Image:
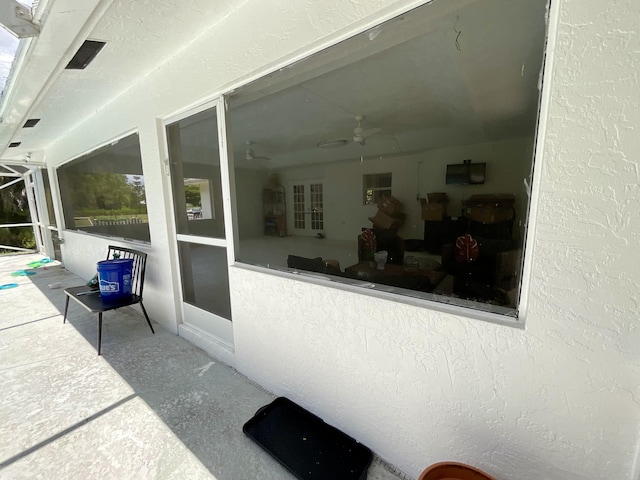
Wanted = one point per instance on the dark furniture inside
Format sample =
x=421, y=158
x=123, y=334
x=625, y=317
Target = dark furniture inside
x=489, y=219
x=497, y=231
x=396, y=276
x=387, y=240
x=488, y=278
x=316, y=264
x=91, y=299
x=440, y=232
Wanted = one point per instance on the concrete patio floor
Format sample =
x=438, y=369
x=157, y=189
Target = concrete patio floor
x=152, y=406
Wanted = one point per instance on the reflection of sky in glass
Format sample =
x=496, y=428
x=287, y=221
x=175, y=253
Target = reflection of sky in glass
x=8, y=47
x=135, y=178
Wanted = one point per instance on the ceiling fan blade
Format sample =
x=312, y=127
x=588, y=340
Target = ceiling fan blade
x=257, y=157
x=371, y=131
x=334, y=142
x=250, y=154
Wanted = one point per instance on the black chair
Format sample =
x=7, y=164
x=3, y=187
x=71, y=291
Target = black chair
x=91, y=299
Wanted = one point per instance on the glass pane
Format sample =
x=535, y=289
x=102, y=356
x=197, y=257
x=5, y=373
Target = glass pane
x=377, y=180
x=103, y=192
x=48, y=198
x=35, y=215
x=298, y=206
x=55, y=238
x=14, y=204
x=376, y=186
x=374, y=106
x=378, y=194
x=195, y=175
x=8, y=47
x=317, y=218
x=205, y=278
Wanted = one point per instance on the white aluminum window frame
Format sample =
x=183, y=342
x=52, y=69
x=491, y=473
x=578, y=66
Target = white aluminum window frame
x=444, y=304
x=57, y=198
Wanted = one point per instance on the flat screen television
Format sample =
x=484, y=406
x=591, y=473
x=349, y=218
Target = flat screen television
x=466, y=173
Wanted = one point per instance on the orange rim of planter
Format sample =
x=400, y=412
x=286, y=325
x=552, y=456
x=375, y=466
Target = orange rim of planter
x=453, y=471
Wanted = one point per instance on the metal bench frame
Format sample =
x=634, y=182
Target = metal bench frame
x=90, y=298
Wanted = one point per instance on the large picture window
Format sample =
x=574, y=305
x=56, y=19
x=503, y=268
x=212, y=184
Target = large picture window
x=449, y=83
x=103, y=192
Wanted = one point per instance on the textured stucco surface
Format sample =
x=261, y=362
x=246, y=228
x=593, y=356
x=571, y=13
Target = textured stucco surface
x=558, y=400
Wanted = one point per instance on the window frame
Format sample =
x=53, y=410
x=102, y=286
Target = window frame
x=62, y=224
x=368, y=179
x=532, y=182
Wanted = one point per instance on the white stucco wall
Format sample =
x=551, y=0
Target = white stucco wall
x=558, y=400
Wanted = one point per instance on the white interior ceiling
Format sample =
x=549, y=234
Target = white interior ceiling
x=475, y=77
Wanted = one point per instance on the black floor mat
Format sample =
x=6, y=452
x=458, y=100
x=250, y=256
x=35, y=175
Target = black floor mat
x=306, y=445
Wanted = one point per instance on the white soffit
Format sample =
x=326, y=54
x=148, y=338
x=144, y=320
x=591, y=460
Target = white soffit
x=63, y=28
x=9, y=43
x=140, y=36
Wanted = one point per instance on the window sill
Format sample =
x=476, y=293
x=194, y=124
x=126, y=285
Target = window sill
x=134, y=241
x=454, y=306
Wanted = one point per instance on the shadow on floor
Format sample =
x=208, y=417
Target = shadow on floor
x=144, y=407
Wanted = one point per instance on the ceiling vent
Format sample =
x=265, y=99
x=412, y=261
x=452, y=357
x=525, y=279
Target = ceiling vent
x=14, y=144
x=32, y=122
x=85, y=55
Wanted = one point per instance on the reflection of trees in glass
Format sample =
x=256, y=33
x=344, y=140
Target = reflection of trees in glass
x=14, y=208
x=137, y=187
x=192, y=195
x=107, y=194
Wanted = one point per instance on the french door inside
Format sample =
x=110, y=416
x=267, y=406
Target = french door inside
x=307, y=200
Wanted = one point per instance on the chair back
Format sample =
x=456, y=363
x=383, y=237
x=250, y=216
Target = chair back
x=139, y=265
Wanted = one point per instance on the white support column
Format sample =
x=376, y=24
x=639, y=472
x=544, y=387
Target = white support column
x=44, y=220
x=34, y=211
x=206, y=200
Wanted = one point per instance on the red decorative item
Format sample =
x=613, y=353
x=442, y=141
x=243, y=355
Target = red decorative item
x=369, y=244
x=369, y=239
x=467, y=249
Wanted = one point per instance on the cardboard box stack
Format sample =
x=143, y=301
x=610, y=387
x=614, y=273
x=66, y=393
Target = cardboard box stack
x=389, y=214
x=434, y=207
x=493, y=208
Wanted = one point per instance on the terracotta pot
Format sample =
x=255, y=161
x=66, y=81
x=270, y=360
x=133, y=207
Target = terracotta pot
x=453, y=471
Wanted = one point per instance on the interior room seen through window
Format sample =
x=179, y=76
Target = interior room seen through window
x=448, y=91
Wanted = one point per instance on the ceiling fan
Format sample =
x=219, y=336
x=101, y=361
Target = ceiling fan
x=250, y=154
x=360, y=136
